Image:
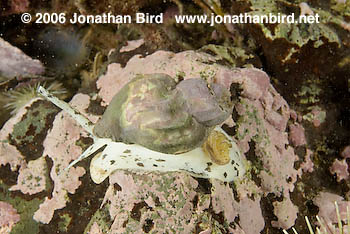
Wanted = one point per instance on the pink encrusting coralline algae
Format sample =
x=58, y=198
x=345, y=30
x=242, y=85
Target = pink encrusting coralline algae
x=15, y=63
x=33, y=176
x=307, y=165
x=297, y=134
x=263, y=116
x=327, y=211
x=286, y=212
x=139, y=202
x=9, y=153
x=8, y=217
x=60, y=145
x=345, y=153
x=341, y=167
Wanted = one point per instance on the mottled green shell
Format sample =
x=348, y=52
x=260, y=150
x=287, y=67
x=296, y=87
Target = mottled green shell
x=152, y=112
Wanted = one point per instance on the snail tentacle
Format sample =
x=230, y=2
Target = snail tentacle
x=75, y=114
x=82, y=120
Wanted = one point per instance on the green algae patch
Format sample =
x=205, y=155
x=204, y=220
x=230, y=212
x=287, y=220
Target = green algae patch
x=341, y=8
x=25, y=208
x=309, y=94
x=299, y=34
x=64, y=223
x=233, y=56
x=28, y=135
x=102, y=219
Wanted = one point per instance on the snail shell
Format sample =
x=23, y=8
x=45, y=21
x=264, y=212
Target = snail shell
x=155, y=112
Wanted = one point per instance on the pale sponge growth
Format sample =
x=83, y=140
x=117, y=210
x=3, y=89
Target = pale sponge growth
x=118, y=155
